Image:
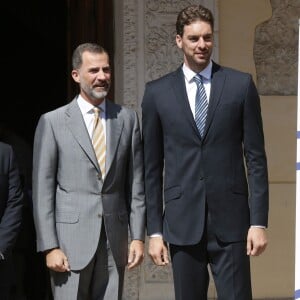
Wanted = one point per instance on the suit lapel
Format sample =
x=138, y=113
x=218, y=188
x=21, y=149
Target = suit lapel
x=114, y=126
x=75, y=123
x=217, y=84
x=179, y=87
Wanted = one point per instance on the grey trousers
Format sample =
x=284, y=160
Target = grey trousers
x=101, y=279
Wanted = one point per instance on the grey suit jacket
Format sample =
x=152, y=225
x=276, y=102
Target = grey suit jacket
x=69, y=197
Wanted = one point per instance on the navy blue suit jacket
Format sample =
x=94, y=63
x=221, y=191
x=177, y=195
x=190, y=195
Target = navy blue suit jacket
x=11, y=203
x=224, y=172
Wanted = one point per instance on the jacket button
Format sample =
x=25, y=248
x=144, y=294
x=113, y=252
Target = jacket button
x=99, y=215
x=99, y=176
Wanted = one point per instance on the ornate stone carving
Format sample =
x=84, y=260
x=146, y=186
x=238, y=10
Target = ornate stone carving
x=276, y=49
x=161, y=52
x=131, y=284
x=130, y=53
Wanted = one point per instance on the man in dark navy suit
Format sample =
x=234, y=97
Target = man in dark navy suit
x=206, y=177
x=11, y=203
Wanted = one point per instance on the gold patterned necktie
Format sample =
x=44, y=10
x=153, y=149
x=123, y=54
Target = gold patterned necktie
x=98, y=140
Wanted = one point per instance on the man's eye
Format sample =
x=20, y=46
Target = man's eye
x=106, y=70
x=208, y=38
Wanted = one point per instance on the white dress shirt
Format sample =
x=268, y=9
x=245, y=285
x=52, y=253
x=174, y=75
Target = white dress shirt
x=191, y=86
x=87, y=111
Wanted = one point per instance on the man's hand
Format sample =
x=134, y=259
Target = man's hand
x=256, y=241
x=57, y=261
x=158, y=251
x=136, y=253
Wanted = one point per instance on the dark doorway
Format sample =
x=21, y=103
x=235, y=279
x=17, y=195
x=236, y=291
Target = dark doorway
x=38, y=39
x=35, y=54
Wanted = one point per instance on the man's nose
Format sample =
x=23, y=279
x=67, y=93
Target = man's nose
x=201, y=43
x=101, y=75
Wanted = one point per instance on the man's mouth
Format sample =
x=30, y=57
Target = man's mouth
x=104, y=86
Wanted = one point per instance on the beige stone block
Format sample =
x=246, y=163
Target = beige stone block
x=273, y=272
x=237, y=22
x=280, y=127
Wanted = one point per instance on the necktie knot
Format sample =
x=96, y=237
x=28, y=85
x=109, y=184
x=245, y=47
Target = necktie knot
x=198, y=79
x=96, y=111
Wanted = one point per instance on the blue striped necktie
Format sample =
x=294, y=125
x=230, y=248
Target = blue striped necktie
x=201, y=105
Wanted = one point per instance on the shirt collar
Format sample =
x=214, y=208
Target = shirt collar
x=189, y=74
x=87, y=107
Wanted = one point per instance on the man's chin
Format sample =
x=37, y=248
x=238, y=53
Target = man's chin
x=100, y=95
x=202, y=62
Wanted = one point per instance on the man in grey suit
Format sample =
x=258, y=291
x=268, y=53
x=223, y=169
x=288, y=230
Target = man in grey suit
x=215, y=184
x=81, y=214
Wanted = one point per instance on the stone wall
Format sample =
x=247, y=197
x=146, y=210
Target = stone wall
x=146, y=49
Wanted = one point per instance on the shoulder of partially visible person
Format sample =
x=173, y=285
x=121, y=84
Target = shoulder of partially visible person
x=7, y=157
x=5, y=149
x=9, y=162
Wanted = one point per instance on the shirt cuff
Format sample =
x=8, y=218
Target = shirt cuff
x=158, y=234
x=259, y=226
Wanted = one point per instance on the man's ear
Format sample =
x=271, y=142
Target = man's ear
x=75, y=76
x=179, y=41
